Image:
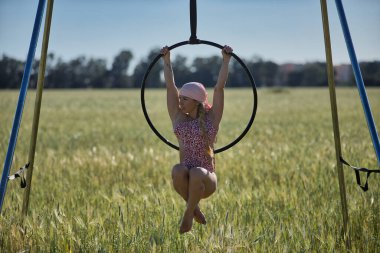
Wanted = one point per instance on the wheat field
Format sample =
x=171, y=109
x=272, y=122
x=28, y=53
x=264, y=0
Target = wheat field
x=101, y=181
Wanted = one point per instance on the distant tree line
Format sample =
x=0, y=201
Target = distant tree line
x=83, y=72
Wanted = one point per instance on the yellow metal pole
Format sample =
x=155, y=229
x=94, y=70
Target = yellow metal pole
x=37, y=106
x=334, y=114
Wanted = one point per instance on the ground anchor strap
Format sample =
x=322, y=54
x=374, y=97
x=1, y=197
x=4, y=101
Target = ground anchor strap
x=20, y=174
x=360, y=169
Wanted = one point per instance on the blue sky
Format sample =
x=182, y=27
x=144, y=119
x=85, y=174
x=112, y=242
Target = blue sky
x=278, y=30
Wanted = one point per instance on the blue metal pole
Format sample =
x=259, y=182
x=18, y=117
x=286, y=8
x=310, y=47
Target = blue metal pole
x=21, y=101
x=359, y=79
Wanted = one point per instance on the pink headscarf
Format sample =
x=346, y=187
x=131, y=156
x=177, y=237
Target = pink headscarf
x=195, y=91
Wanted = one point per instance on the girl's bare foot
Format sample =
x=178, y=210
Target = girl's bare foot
x=187, y=222
x=199, y=217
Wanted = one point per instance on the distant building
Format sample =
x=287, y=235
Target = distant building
x=283, y=72
x=343, y=73
x=290, y=67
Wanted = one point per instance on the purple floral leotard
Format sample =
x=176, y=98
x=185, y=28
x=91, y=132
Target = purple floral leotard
x=193, y=145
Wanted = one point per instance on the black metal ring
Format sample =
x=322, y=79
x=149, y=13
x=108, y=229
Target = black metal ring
x=254, y=109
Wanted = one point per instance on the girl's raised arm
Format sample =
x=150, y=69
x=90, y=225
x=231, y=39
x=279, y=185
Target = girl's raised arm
x=171, y=88
x=218, y=100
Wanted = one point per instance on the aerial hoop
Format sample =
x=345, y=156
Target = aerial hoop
x=205, y=42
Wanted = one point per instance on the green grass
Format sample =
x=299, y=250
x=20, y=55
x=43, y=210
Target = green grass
x=102, y=182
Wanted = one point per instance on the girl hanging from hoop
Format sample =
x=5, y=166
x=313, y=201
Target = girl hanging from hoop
x=195, y=123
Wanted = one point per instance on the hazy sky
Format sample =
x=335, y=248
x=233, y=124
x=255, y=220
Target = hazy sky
x=278, y=30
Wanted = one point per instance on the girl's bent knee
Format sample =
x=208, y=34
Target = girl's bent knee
x=197, y=173
x=180, y=170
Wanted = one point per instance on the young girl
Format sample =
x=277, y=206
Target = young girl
x=195, y=123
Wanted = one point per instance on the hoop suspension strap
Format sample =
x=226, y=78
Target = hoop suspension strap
x=193, y=22
x=361, y=169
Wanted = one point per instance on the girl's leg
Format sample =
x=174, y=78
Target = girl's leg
x=202, y=184
x=180, y=176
